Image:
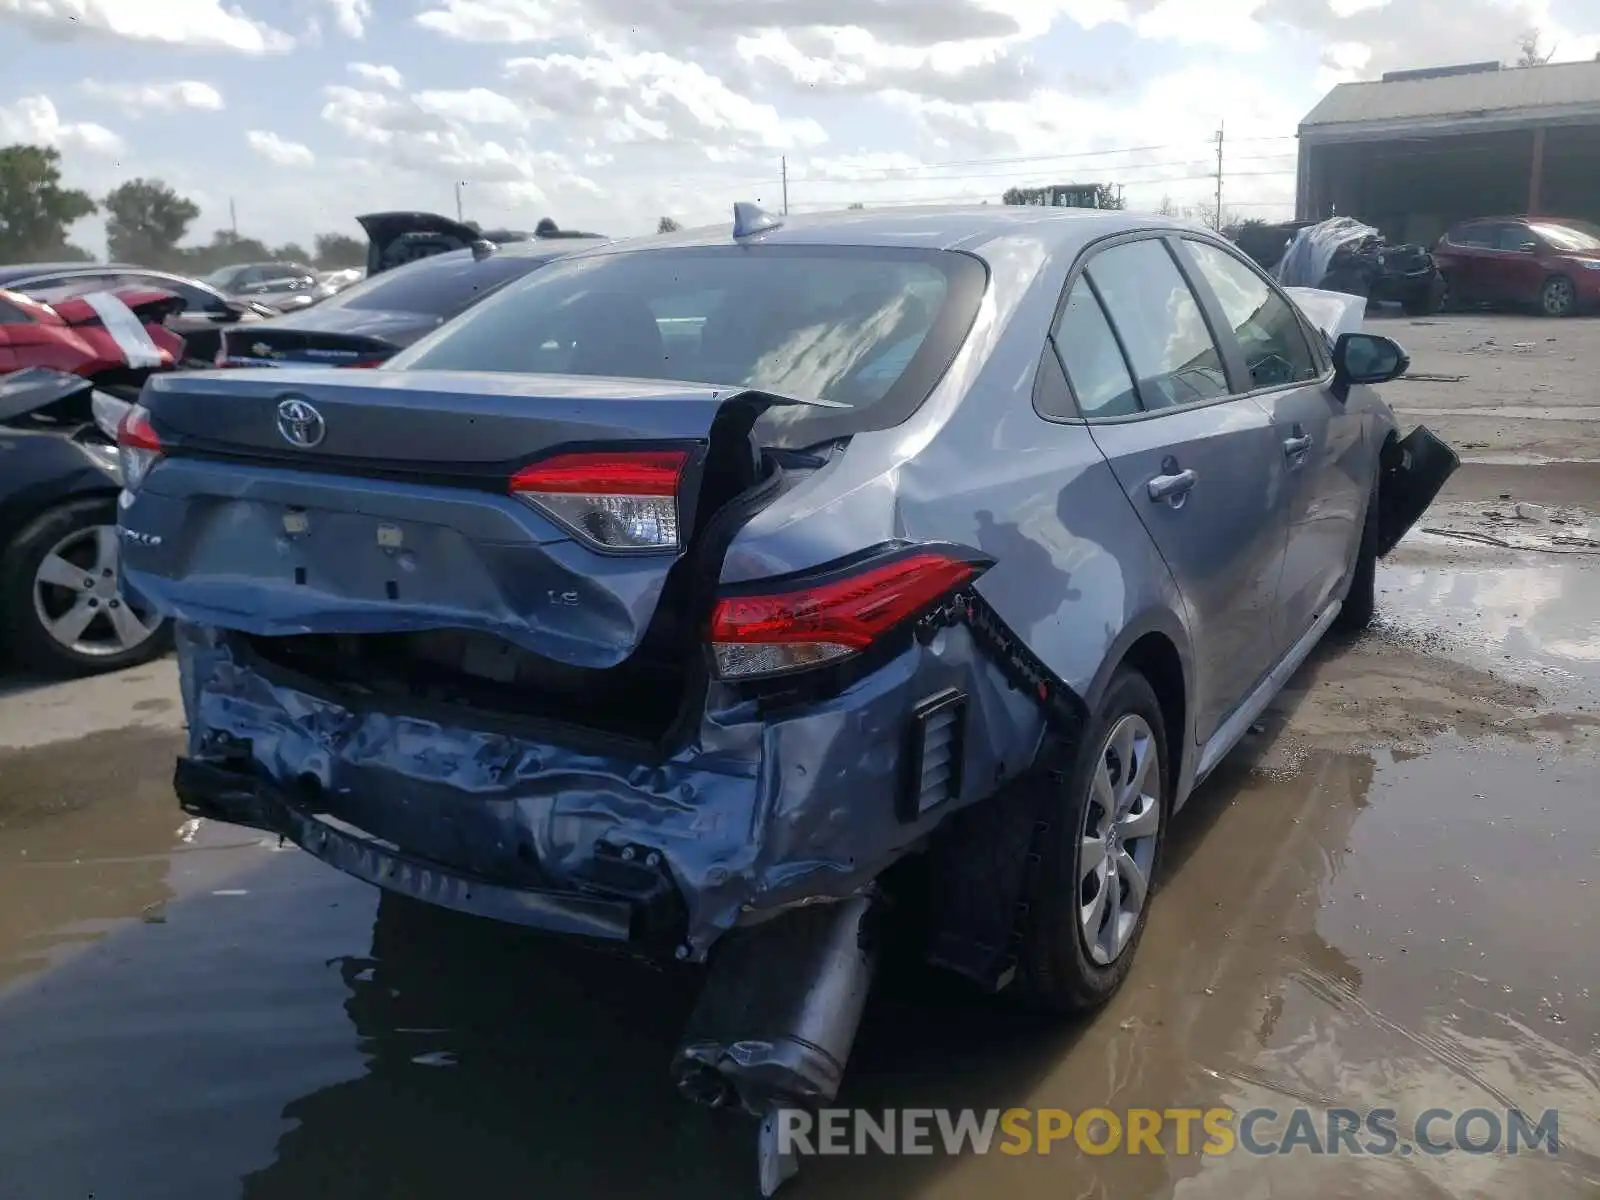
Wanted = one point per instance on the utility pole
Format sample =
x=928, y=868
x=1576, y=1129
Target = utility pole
x=458, y=199
x=783, y=165
x=233, y=217
x=1220, y=127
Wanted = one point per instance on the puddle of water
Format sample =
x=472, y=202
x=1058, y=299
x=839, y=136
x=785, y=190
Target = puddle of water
x=1526, y=616
x=90, y=838
x=1516, y=459
x=1360, y=929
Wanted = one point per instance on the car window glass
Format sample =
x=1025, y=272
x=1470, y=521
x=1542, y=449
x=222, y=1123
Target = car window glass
x=62, y=287
x=442, y=285
x=841, y=326
x=1160, y=323
x=1511, y=237
x=1476, y=236
x=1091, y=358
x=1571, y=235
x=12, y=315
x=1269, y=332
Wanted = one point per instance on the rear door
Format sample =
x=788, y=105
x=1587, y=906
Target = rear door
x=1328, y=469
x=1461, y=258
x=1518, y=273
x=1201, y=466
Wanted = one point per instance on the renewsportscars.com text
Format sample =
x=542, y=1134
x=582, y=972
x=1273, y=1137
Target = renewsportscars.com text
x=1214, y=1131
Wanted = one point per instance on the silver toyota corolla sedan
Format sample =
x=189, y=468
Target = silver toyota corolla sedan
x=753, y=595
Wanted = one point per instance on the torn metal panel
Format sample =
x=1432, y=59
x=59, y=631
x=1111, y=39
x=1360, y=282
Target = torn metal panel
x=759, y=811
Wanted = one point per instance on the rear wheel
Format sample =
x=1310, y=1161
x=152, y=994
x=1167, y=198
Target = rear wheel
x=1558, y=298
x=1425, y=301
x=1090, y=896
x=59, y=596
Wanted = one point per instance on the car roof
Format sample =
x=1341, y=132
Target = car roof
x=81, y=269
x=943, y=227
x=29, y=270
x=538, y=250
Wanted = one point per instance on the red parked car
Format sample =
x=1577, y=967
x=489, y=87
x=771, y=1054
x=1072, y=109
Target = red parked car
x=72, y=336
x=1550, y=262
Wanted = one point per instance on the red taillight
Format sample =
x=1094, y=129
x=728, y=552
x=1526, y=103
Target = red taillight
x=370, y=362
x=136, y=432
x=138, y=447
x=807, y=626
x=615, y=500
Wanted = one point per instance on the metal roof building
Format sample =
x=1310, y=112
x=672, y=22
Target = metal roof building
x=1416, y=151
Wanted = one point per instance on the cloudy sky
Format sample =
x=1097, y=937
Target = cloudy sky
x=606, y=114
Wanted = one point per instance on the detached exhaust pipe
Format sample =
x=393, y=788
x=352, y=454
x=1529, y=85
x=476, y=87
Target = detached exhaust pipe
x=774, y=1026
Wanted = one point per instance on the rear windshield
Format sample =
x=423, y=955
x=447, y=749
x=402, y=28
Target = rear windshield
x=870, y=329
x=441, y=286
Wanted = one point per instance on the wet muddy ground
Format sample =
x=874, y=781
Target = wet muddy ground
x=1389, y=896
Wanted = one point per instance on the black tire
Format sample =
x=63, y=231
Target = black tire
x=1558, y=297
x=1055, y=971
x=1425, y=301
x=1450, y=299
x=1361, y=601
x=23, y=631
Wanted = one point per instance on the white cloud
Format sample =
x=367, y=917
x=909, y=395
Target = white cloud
x=475, y=106
x=1231, y=24
x=854, y=60
x=388, y=76
x=278, y=151
x=910, y=22
x=654, y=97
x=351, y=16
x=137, y=98
x=201, y=24
x=35, y=119
x=438, y=144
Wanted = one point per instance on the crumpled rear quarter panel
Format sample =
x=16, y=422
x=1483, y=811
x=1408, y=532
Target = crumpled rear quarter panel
x=756, y=813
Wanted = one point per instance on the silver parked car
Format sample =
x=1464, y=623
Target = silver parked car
x=706, y=592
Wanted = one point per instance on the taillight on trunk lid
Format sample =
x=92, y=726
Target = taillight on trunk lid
x=613, y=500
x=834, y=615
x=138, y=446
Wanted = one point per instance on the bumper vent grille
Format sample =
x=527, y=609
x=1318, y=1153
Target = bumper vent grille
x=935, y=754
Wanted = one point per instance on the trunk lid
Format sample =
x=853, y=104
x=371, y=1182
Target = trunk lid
x=316, y=502
x=324, y=337
x=35, y=389
x=396, y=238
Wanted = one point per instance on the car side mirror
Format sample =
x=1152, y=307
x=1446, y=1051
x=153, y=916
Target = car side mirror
x=1367, y=358
x=482, y=249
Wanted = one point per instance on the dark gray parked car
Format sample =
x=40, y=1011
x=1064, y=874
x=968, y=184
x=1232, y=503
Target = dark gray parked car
x=710, y=594
x=365, y=323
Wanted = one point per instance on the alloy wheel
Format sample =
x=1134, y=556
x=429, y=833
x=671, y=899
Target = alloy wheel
x=75, y=596
x=1558, y=297
x=1117, y=843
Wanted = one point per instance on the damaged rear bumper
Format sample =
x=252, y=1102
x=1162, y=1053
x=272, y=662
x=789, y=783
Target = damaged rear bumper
x=638, y=904
x=762, y=811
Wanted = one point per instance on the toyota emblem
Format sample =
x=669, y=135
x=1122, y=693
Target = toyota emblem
x=300, y=424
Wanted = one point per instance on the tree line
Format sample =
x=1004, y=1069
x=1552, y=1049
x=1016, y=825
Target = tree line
x=146, y=222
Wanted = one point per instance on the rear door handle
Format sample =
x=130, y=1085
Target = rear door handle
x=1297, y=445
x=1172, y=488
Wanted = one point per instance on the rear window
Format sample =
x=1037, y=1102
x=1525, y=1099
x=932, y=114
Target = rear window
x=868, y=329
x=441, y=286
